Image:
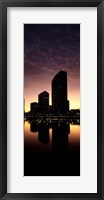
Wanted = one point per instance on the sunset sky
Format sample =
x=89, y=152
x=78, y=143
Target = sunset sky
x=49, y=48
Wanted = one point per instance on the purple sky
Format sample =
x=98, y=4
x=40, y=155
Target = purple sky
x=48, y=48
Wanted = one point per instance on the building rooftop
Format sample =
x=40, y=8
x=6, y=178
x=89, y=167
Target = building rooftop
x=59, y=73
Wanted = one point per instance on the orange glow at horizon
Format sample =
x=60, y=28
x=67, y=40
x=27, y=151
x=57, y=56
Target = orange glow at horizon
x=74, y=99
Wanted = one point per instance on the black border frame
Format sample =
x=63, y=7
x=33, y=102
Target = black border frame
x=4, y=4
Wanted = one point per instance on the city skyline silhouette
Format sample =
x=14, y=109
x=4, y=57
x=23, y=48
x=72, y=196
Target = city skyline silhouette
x=59, y=85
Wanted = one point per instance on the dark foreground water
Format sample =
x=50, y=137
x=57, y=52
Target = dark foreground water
x=51, y=149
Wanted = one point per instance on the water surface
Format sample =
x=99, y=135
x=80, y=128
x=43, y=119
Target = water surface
x=51, y=149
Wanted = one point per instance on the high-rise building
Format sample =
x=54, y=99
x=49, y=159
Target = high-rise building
x=59, y=93
x=43, y=99
x=68, y=105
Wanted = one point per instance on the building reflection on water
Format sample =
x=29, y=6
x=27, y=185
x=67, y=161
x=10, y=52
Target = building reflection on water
x=43, y=134
x=60, y=138
x=60, y=131
x=49, y=142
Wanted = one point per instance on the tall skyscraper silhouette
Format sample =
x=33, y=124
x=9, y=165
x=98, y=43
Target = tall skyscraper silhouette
x=59, y=93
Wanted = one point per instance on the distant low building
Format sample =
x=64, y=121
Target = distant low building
x=34, y=108
x=50, y=109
